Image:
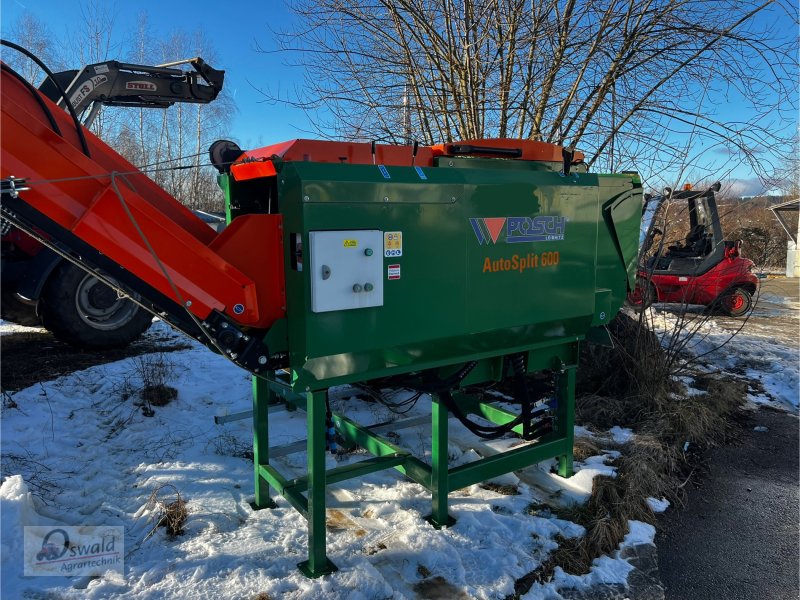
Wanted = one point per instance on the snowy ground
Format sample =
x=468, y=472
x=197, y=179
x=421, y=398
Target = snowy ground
x=77, y=451
x=8, y=328
x=762, y=350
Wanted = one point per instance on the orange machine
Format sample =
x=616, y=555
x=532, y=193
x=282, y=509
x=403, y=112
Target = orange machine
x=104, y=212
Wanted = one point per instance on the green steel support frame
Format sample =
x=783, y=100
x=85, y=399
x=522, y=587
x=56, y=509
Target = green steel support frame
x=261, y=442
x=439, y=470
x=307, y=493
x=566, y=421
x=537, y=273
x=317, y=563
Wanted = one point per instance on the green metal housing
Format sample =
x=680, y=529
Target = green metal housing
x=477, y=282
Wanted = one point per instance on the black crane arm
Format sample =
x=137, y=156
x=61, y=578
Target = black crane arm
x=114, y=83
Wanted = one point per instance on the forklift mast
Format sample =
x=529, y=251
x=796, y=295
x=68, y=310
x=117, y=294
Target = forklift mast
x=114, y=83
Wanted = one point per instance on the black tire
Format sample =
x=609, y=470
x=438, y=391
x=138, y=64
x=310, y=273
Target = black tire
x=734, y=302
x=82, y=311
x=15, y=310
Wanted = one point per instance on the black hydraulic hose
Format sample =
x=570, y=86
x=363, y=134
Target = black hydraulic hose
x=435, y=386
x=484, y=431
x=330, y=429
x=472, y=149
x=49, y=73
x=37, y=96
x=442, y=387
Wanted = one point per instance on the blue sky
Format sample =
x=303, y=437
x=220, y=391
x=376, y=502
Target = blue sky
x=235, y=32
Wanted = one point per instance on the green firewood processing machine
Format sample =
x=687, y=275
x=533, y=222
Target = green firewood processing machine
x=430, y=269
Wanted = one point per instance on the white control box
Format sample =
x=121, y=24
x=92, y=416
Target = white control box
x=346, y=269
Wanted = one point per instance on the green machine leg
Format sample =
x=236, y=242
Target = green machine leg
x=439, y=468
x=317, y=563
x=261, y=395
x=566, y=420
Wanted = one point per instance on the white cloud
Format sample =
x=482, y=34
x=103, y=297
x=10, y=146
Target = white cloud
x=744, y=187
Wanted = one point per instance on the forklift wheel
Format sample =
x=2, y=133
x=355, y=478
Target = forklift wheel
x=735, y=302
x=642, y=297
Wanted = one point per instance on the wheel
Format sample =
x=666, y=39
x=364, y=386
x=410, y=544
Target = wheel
x=81, y=310
x=642, y=297
x=734, y=302
x=16, y=311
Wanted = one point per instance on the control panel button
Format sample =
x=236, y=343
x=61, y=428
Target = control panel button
x=341, y=263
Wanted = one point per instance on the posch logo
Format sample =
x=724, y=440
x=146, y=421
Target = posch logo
x=518, y=230
x=73, y=550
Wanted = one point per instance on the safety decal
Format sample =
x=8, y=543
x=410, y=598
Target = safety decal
x=86, y=88
x=351, y=243
x=393, y=272
x=392, y=244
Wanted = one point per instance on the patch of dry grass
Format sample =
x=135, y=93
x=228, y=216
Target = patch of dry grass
x=159, y=394
x=31, y=357
x=635, y=369
x=630, y=386
x=584, y=447
x=170, y=510
x=504, y=489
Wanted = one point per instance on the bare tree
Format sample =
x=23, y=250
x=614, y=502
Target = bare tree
x=34, y=35
x=187, y=130
x=623, y=79
x=751, y=221
x=93, y=42
x=170, y=144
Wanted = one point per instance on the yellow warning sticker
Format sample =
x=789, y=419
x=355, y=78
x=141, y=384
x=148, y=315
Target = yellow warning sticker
x=351, y=243
x=392, y=243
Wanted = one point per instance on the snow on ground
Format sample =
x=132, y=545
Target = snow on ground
x=7, y=328
x=606, y=568
x=658, y=506
x=762, y=349
x=77, y=451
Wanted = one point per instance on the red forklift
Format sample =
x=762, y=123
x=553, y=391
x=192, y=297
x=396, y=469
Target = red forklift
x=685, y=259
